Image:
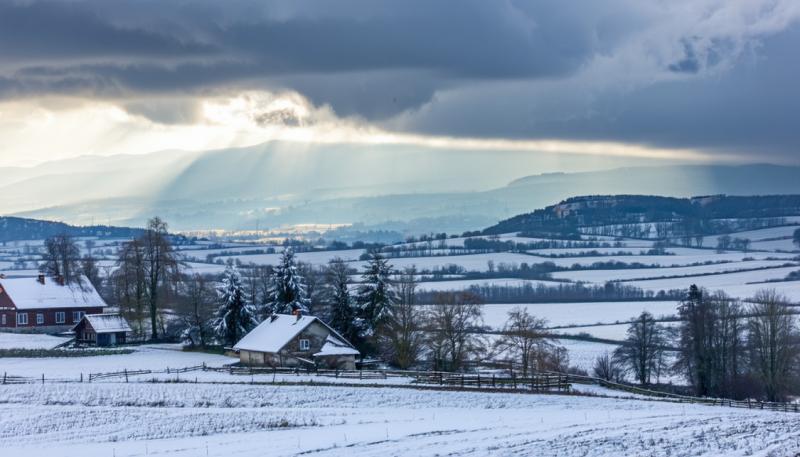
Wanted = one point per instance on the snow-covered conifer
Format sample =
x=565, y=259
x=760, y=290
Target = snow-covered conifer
x=287, y=292
x=235, y=316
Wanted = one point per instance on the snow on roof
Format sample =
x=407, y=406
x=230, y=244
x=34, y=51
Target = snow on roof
x=335, y=346
x=273, y=334
x=29, y=293
x=107, y=323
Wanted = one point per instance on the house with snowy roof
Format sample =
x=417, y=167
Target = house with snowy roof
x=102, y=329
x=47, y=305
x=284, y=340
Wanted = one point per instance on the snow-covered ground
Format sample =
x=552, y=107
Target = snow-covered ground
x=717, y=282
x=183, y=420
x=601, y=276
x=28, y=341
x=584, y=313
x=151, y=357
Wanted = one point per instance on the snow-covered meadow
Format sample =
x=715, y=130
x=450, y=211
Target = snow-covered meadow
x=252, y=420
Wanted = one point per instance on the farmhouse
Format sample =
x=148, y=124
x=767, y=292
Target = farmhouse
x=285, y=340
x=42, y=304
x=101, y=329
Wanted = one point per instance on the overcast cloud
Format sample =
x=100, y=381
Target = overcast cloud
x=716, y=75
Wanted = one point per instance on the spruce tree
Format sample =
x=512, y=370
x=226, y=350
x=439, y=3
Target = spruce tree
x=235, y=316
x=287, y=292
x=376, y=294
x=342, y=315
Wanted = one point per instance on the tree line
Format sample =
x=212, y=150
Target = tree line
x=722, y=347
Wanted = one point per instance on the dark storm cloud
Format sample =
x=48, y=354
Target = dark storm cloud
x=61, y=46
x=703, y=73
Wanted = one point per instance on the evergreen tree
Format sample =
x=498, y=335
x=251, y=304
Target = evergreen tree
x=235, y=316
x=287, y=292
x=342, y=313
x=376, y=294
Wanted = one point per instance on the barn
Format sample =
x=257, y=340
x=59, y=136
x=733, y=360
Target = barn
x=101, y=329
x=46, y=305
x=285, y=340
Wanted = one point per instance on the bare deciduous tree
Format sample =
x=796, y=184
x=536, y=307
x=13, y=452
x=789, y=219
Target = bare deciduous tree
x=401, y=335
x=772, y=330
x=61, y=258
x=523, y=338
x=642, y=352
x=451, y=324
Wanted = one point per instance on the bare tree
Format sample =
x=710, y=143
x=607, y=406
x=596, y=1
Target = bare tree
x=605, y=367
x=772, y=329
x=62, y=258
x=129, y=284
x=452, y=321
x=642, y=351
x=161, y=267
x=196, y=309
x=523, y=338
x=401, y=335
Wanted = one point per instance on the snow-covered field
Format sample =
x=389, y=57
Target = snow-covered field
x=29, y=341
x=239, y=420
x=153, y=357
x=586, y=313
x=601, y=276
x=720, y=281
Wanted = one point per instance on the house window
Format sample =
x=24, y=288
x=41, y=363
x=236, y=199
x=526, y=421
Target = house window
x=4, y=320
x=39, y=319
x=305, y=345
x=76, y=316
x=22, y=318
x=61, y=317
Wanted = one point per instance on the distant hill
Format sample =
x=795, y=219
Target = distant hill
x=695, y=215
x=17, y=228
x=280, y=184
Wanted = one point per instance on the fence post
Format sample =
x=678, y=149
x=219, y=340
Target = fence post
x=81, y=377
x=125, y=370
x=42, y=378
x=4, y=377
x=479, y=381
x=492, y=381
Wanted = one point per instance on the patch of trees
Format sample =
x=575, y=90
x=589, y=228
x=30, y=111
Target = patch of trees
x=565, y=292
x=724, y=348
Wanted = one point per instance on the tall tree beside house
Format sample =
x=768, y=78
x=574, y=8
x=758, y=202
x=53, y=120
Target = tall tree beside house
x=196, y=310
x=376, y=294
x=341, y=310
x=89, y=268
x=61, y=258
x=401, y=335
x=288, y=291
x=129, y=284
x=161, y=268
x=773, y=342
x=235, y=316
x=642, y=352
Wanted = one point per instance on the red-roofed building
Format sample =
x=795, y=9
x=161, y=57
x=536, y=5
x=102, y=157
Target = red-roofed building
x=42, y=304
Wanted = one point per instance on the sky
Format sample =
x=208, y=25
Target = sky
x=684, y=80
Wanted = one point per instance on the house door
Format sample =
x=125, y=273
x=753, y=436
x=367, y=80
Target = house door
x=112, y=339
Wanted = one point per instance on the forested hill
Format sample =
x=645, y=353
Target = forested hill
x=17, y=228
x=693, y=214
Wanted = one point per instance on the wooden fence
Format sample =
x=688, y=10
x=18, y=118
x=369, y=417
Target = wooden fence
x=538, y=382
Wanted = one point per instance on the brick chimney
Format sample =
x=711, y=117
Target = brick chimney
x=40, y=279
